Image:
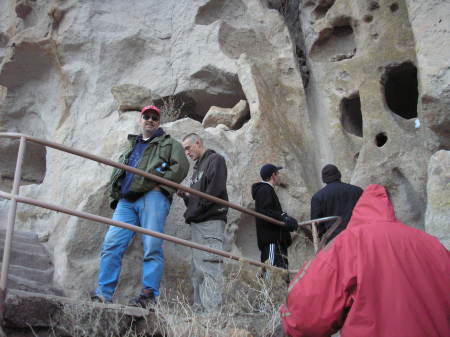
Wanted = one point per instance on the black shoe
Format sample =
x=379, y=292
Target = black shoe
x=100, y=299
x=144, y=300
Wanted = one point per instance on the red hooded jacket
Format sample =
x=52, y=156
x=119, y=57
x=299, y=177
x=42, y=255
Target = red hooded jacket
x=378, y=278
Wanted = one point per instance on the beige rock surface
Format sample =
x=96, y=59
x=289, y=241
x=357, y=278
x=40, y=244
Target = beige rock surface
x=438, y=197
x=60, y=61
x=431, y=28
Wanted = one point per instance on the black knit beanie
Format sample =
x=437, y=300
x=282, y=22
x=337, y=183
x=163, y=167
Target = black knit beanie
x=330, y=173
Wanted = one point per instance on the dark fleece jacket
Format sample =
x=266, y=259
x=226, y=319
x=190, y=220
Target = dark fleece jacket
x=267, y=203
x=209, y=176
x=336, y=198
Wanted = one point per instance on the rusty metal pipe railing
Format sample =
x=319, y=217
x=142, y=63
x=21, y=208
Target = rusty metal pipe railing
x=10, y=227
x=108, y=221
x=16, y=198
x=158, y=179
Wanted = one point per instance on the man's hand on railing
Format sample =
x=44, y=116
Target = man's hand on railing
x=290, y=222
x=182, y=194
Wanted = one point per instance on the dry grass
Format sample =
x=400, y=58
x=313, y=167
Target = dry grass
x=250, y=303
x=249, y=308
x=171, y=109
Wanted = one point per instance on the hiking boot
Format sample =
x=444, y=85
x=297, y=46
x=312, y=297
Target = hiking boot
x=144, y=300
x=100, y=299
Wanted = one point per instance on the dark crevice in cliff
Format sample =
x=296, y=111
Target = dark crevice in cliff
x=289, y=9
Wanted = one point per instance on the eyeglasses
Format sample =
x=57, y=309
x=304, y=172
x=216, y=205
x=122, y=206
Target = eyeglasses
x=154, y=118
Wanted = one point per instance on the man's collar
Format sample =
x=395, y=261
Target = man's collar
x=266, y=182
x=157, y=133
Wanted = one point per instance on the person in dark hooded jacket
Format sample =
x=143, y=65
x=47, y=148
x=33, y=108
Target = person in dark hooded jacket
x=273, y=240
x=207, y=220
x=335, y=199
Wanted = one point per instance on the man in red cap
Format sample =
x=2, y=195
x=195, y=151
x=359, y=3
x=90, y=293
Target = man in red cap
x=377, y=278
x=141, y=202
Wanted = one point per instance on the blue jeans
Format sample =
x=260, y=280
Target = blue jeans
x=150, y=212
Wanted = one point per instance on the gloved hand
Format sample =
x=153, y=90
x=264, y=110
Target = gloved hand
x=290, y=222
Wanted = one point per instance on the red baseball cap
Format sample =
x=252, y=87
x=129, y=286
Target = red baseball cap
x=152, y=108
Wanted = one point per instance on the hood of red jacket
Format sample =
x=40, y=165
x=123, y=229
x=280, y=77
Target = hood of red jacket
x=373, y=206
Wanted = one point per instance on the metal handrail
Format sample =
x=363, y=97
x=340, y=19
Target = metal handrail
x=14, y=197
x=156, y=178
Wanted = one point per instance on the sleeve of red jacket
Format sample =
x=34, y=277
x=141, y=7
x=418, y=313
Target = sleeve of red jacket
x=319, y=296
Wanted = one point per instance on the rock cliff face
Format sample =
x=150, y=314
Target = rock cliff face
x=363, y=84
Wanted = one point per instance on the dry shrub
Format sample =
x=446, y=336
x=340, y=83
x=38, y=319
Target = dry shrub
x=87, y=319
x=171, y=109
x=249, y=308
x=250, y=302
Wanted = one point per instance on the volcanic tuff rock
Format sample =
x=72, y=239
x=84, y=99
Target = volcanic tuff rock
x=75, y=72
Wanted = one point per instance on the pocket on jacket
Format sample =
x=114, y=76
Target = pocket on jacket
x=165, y=151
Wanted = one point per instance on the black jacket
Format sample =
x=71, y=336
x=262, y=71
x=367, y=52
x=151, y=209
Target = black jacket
x=209, y=176
x=267, y=203
x=336, y=198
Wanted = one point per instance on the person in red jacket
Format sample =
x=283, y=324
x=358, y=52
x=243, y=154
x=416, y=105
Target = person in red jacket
x=377, y=278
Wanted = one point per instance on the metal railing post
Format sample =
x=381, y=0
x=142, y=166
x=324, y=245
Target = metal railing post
x=315, y=236
x=10, y=227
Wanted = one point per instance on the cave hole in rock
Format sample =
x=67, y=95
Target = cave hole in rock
x=381, y=139
x=351, y=116
x=215, y=10
x=401, y=89
x=34, y=163
x=214, y=87
x=322, y=8
x=394, y=7
x=373, y=5
x=368, y=18
x=30, y=62
x=335, y=44
x=196, y=103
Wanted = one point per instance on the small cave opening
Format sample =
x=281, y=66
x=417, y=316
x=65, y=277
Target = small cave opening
x=215, y=10
x=368, y=18
x=322, y=8
x=401, y=89
x=394, y=7
x=381, y=139
x=351, y=116
x=211, y=86
x=33, y=168
x=335, y=44
x=373, y=5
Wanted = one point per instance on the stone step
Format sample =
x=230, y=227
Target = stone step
x=30, y=246
x=25, y=284
x=29, y=259
x=20, y=236
x=32, y=274
x=61, y=315
x=31, y=266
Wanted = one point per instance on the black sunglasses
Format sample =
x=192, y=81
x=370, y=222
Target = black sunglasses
x=154, y=118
